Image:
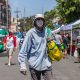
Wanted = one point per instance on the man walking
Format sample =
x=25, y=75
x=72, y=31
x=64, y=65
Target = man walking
x=10, y=46
x=35, y=50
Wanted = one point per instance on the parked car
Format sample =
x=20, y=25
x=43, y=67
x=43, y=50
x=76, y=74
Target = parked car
x=1, y=43
x=3, y=33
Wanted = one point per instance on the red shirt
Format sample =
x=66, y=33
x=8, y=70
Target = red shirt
x=10, y=36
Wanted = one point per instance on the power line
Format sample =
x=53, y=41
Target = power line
x=17, y=16
x=24, y=17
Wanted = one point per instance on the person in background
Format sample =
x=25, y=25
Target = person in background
x=35, y=50
x=65, y=43
x=58, y=40
x=78, y=47
x=10, y=45
x=21, y=41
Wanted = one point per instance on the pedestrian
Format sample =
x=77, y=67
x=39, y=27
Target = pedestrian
x=65, y=43
x=10, y=45
x=58, y=39
x=35, y=50
x=78, y=47
x=21, y=39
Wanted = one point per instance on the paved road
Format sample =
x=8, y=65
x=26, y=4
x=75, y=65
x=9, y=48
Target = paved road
x=66, y=69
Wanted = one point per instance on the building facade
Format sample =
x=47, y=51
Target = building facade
x=3, y=13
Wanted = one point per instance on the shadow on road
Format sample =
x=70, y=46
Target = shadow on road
x=3, y=54
x=11, y=63
x=76, y=62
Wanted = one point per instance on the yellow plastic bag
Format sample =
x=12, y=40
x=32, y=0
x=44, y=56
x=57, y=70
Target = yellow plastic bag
x=53, y=52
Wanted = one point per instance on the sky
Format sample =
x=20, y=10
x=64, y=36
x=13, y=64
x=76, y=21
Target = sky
x=31, y=7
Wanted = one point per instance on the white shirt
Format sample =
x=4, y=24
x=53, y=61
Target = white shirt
x=10, y=43
x=58, y=37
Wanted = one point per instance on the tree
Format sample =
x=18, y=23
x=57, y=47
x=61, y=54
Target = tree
x=49, y=16
x=69, y=10
x=25, y=26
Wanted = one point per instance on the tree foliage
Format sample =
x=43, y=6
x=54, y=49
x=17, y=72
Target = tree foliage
x=69, y=10
x=26, y=23
x=49, y=15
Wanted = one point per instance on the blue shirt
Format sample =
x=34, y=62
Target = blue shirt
x=34, y=48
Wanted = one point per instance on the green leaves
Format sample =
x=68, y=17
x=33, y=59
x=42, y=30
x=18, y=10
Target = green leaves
x=69, y=10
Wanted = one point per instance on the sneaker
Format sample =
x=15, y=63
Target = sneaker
x=9, y=64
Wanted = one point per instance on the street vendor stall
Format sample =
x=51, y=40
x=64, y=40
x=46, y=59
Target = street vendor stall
x=74, y=30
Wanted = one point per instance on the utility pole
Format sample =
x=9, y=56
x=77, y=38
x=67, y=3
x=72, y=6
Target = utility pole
x=17, y=16
x=24, y=18
x=7, y=14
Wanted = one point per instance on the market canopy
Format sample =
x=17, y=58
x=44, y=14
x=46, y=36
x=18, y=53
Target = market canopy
x=76, y=24
x=67, y=27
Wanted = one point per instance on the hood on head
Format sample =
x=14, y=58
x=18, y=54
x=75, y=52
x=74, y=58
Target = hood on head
x=39, y=16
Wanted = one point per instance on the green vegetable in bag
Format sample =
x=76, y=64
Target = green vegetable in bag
x=62, y=46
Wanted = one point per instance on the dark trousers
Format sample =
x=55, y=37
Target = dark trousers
x=36, y=75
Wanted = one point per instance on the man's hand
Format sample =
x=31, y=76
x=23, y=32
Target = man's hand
x=14, y=48
x=4, y=48
x=23, y=69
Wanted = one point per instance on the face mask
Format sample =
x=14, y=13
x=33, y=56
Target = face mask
x=39, y=23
